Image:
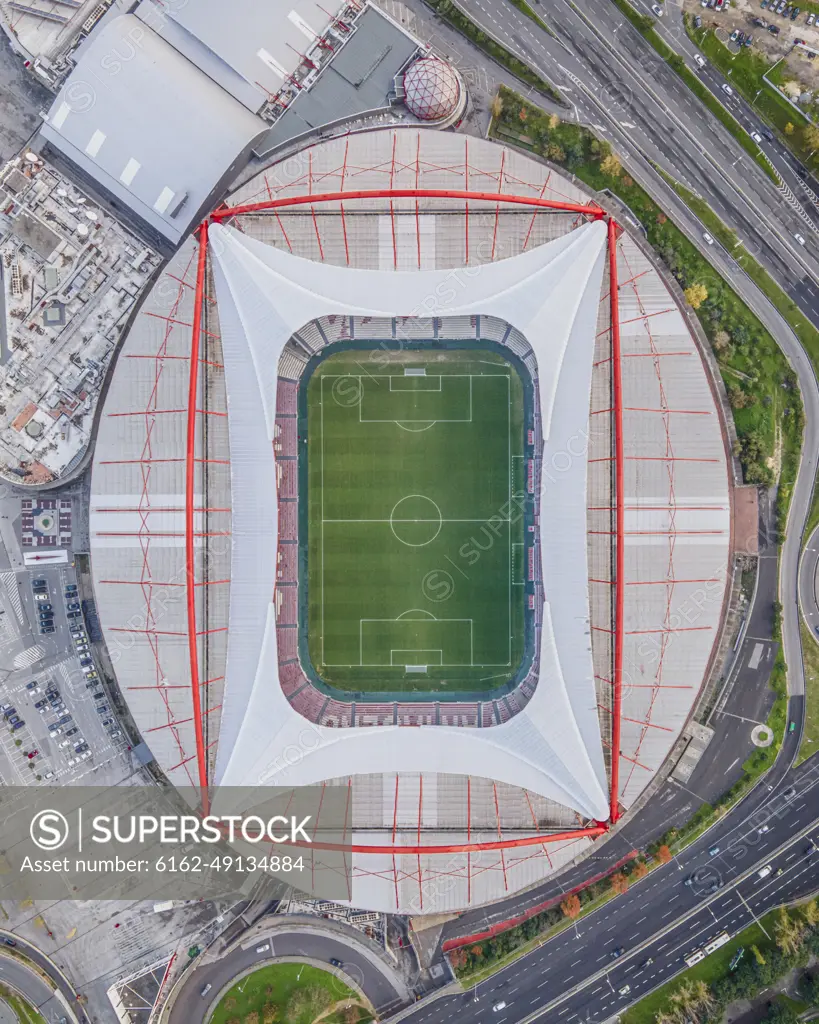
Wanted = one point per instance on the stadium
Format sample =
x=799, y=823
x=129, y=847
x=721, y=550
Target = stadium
x=412, y=479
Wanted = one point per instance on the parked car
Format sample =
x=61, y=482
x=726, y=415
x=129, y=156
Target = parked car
x=114, y=733
x=45, y=630
x=55, y=731
x=39, y=583
x=72, y=731
x=658, y=11
x=8, y=711
x=40, y=703
x=33, y=685
x=64, y=720
x=18, y=724
x=102, y=709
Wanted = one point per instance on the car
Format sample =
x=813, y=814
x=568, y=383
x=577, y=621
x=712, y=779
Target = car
x=699, y=60
x=45, y=630
x=8, y=710
x=48, y=775
x=649, y=960
x=763, y=829
x=499, y=1006
x=72, y=761
x=32, y=754
x=85, y=754
x=80, y=747
x=85, y=660
x=33, y=686
x=80, y=648
x=697, y=21
x=811, y=18
x=795, y=13
x=760, y=23
x=205, y=990
x=801, y=241
x=102, y=709
x=4, y=707
x=9, y=942
x=624, y=991
x=73, y=606
x=789, y=793
x=55, y=731
x=40, y=703
x=14, y=719
x=108, y=721
x=71, y=587
x=734, y=35
x=18, y=725
x=63, y=743
x=39, y=583
x=764, y=872
x=46, y=606
x=764, y=4
x=64, y=720
x=756, y=137
x=72, y=615
x=89, y=671
x=616, y=953
x=810, y=849
x=114, y=733
x=41, y=596
x=263, y=948
x=99, y=695
x=773, y=29
x=78, y=634
x=726, y=88
x=708, y=238
x=333, y=960
x=748, y=40
x=714, y=850
x=72, y=731
x=658, y=11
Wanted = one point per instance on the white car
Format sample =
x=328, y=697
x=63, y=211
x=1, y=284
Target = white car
x=72, y=761
x=41, y=597
x=49, y=775
x=657, y=10
x=85, y=754
x=799, y=239
x=54, y=732
x=756, y=137
x=498, y=1007
x=708, y=238
x=699, y=60
x=263, y=949
x=624, y=991
x=726, y=88
x=63, y=743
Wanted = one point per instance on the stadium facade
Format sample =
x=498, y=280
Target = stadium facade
x=390, y=239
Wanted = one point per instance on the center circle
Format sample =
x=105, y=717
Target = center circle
x=416, y=520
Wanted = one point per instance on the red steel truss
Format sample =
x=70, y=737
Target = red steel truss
x=590, y=210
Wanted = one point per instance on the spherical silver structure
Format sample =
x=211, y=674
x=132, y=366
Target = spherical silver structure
x=432, y=89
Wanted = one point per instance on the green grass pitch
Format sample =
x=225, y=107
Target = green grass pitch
x=416, y=555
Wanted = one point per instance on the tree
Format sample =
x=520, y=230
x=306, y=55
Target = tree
x=664, y=854
x=738, y=398
x=760, y=959
x=789, y=129
x=780, y=1013
x=619, y=883
x=810, y=912
x=790, y=932
x=496, y=107
x=571, y=906
x=810, y=136
x=556, y=153
x=640, y=870
x=458, y=959
x=270, y=1013
x=554, y=121
x=611, y=166
x=307, y=1002
x=696, y=295
x=722, y=340
x=351, y=1015
x=252, y=1017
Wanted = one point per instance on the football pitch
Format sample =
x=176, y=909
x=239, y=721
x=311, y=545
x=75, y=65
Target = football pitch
x=415, y=524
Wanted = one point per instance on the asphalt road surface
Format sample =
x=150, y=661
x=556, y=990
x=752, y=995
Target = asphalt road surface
x=661, y=918
x=38, y=992
x=191, y=1006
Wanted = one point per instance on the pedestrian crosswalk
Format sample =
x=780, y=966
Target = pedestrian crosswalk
x=9, y=581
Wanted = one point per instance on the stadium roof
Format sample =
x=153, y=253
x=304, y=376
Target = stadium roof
x=551, y=296
x=183, y=522
x=156, y=133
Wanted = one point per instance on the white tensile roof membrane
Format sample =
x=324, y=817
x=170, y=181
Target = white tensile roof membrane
x=551, y=294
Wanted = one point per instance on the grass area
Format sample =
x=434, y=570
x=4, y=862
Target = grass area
x=297, y=993
x=23, y=1010
x=536, y=18
x=645, y=25
x=810, y=659
x=746, y=69
x=416, y=505
x=457, y=19
x=708, y=970
x=764, y=965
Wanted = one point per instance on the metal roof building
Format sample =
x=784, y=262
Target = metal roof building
x=194, y=535
x=141, y=122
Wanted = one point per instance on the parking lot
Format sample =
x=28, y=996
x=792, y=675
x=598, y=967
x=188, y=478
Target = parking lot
x=57, y=725
x=745, y=16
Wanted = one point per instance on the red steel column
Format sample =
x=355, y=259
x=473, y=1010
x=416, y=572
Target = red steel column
x=190, y=465
x=619, y=581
